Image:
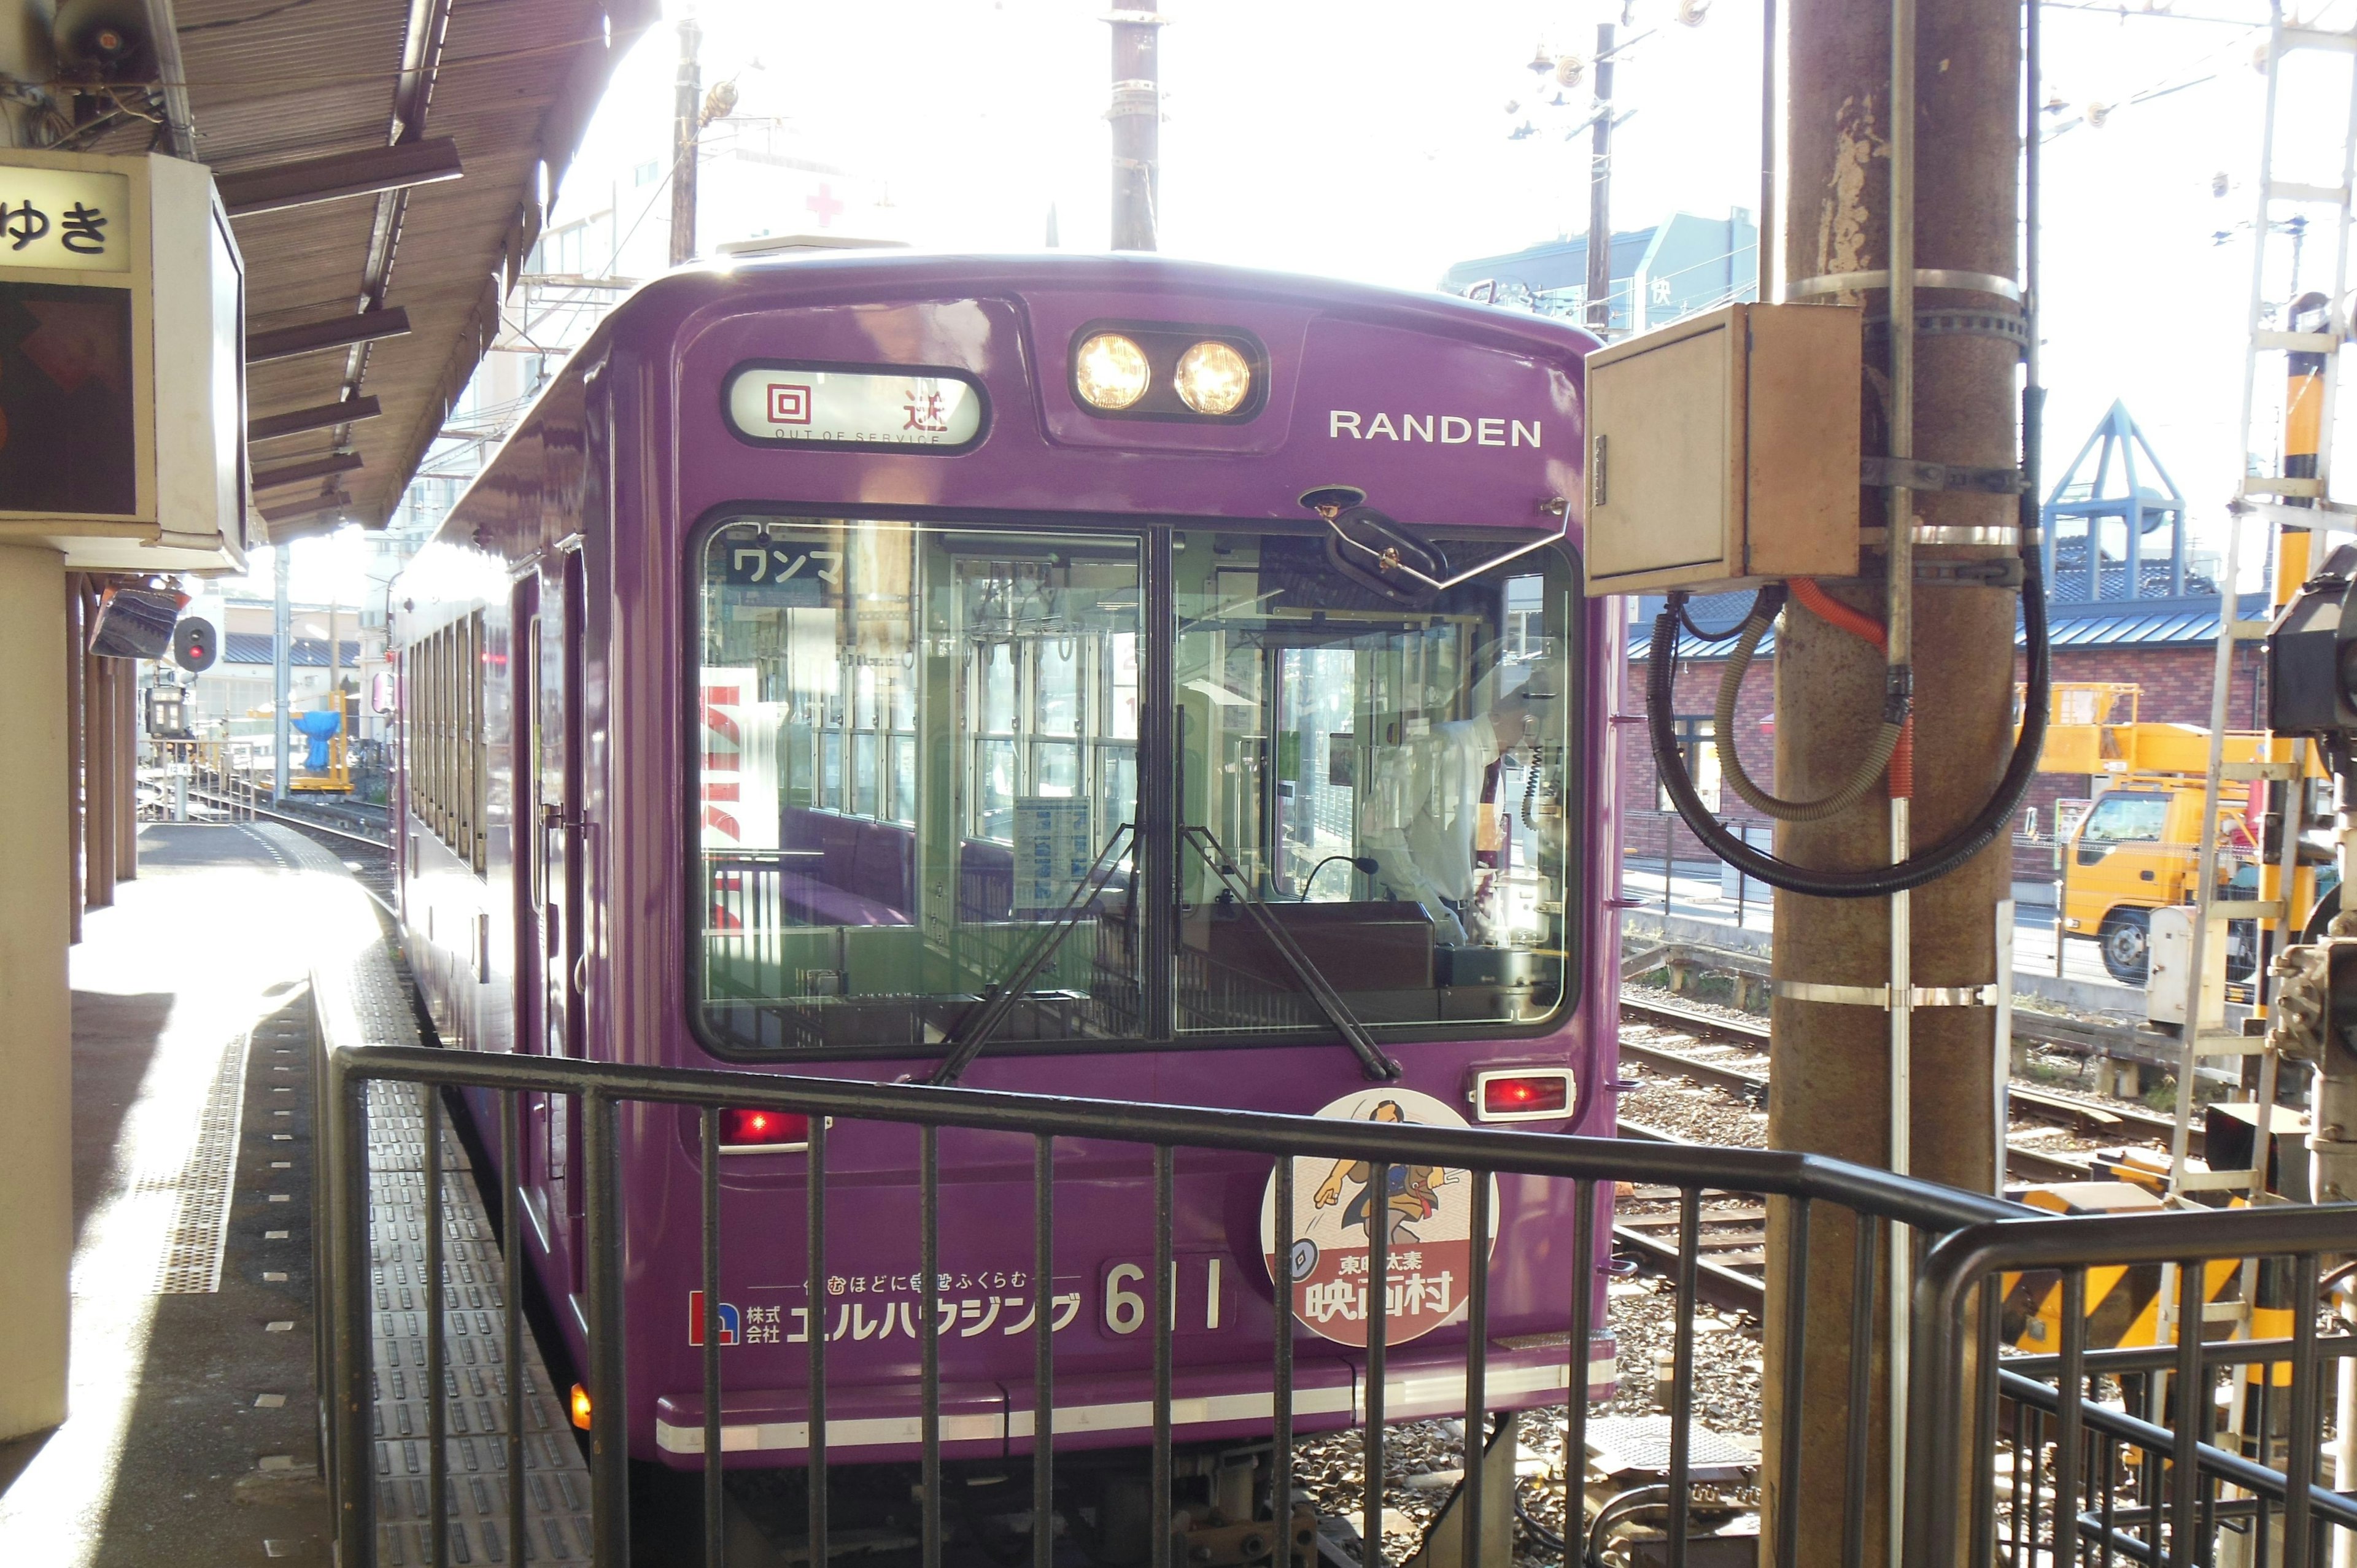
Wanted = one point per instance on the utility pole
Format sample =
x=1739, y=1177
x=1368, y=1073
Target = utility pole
x=1893, y=170
x=687, y=127
x=1599, y=192
x=1136, y=116
x=282, y=673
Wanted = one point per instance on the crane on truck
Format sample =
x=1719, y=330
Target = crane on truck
x=2137, y=847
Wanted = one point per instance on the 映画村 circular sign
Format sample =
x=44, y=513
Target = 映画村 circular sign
x=1425, y=1213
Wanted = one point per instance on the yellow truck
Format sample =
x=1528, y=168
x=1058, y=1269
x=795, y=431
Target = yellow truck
x=2139, y=847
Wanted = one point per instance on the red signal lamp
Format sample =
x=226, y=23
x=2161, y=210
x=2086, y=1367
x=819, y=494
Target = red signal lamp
x=745, y=1129
x=1523, y=1094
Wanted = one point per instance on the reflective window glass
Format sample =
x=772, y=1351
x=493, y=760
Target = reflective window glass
x=887, y=825
x=1387, y=782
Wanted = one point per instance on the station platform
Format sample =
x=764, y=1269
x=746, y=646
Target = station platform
x=194, y=1431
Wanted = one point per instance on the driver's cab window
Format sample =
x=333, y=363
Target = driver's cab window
x=2126, y=818
x=915, y=758
x=1385, y=781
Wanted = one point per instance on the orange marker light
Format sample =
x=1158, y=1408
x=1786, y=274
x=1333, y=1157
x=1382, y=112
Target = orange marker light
x=581, y=1407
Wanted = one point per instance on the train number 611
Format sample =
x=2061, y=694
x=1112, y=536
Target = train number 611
x=1202, y=1294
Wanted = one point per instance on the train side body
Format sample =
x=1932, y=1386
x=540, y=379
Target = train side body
x=558, y=905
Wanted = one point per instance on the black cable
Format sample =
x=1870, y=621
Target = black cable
x=1686, y=618
x=1548, y=1539
x=1994, y=817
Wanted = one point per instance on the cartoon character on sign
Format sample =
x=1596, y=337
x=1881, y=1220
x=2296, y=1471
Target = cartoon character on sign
x=1335, y=1258
x=1412, y=1196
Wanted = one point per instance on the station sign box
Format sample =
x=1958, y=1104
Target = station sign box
x=122, y=363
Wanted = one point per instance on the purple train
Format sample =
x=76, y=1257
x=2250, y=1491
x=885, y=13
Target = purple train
x=841, y=631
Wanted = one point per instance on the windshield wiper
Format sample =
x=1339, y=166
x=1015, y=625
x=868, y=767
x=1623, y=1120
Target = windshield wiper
x=1321, y=991
x=983, y=1021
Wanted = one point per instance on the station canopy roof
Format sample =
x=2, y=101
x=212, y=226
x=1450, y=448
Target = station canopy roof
x=376, y=156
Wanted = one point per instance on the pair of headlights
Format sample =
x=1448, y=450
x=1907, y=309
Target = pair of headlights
x=1112, y=372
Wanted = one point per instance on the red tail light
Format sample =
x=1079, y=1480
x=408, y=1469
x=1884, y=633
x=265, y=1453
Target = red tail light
x=1522, y=1095
x=748, y=1128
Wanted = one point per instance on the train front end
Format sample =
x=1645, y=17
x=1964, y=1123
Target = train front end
x=1108, y=678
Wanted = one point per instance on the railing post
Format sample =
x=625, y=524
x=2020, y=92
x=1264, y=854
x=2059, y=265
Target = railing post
x=610, y=1455
x=350, y=1299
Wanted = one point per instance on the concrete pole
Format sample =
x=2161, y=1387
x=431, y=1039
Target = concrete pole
x=77, y=717
x=98, y=778
x=36, y=1048
x=282, y=672
x=1136, y=116
x=1832, y=1076
x=126, y=770
x=687, y=127
x=1599, y=193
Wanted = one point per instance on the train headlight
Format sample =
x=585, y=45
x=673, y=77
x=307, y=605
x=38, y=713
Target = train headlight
x=1111, y=371
x=1213, y=378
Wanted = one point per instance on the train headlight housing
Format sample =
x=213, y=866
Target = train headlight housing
x=1213, y=378
x=1523, y=1094
x=756, y=1131
x=1111, y=371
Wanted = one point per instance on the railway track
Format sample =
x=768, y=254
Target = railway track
x=343, y=834
x=1732, y=1232
x=2125, y=1123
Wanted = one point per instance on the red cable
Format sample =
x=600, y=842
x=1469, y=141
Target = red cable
x=1858, y=623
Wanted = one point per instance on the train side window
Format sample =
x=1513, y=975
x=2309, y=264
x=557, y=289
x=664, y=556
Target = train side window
x=1388, y=782
x=912, y=744
x=478, y=748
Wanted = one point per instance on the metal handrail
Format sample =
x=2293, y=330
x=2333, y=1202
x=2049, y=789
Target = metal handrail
x=1959, y=1275
x=1592, y=1163
x=1783, y=1173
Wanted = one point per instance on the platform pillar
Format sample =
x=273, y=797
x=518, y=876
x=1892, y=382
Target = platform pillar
x=36, y=1059
x=98, y=818
x=1831, y=1080
x=126, y=768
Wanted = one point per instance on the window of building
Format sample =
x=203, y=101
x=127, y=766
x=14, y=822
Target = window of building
x=1698, y=749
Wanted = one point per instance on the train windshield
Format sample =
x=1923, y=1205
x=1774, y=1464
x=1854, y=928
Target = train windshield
x=1384, y=782
x=918, y=768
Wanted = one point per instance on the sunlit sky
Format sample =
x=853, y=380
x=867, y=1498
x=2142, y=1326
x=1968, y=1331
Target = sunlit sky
x=1369, y=140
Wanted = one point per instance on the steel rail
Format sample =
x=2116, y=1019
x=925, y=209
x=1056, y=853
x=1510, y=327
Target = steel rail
x=294, y=821
x=2023, y=1163
x=2129, y=1122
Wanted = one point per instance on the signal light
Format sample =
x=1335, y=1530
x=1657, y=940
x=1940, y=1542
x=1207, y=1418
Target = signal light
x=742, y=1128
x=581, y=1407
x=194, y=645
x=1523, y=1094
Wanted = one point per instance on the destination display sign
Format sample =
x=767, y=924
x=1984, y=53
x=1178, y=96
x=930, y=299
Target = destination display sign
x=64, y=220
x=820, y=407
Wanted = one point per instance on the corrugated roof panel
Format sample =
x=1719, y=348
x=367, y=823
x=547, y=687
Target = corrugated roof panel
x=303, y=653
x=269, y=84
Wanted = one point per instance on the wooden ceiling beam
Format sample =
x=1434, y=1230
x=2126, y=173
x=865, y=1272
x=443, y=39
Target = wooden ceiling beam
x=336, y=332
x=363, y=172
x=315, y=468
x=326, y=416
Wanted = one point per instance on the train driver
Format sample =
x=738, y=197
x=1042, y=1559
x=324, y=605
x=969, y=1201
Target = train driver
x=1424, y=819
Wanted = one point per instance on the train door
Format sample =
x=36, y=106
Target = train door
x=563, y=951
x=530, y=880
